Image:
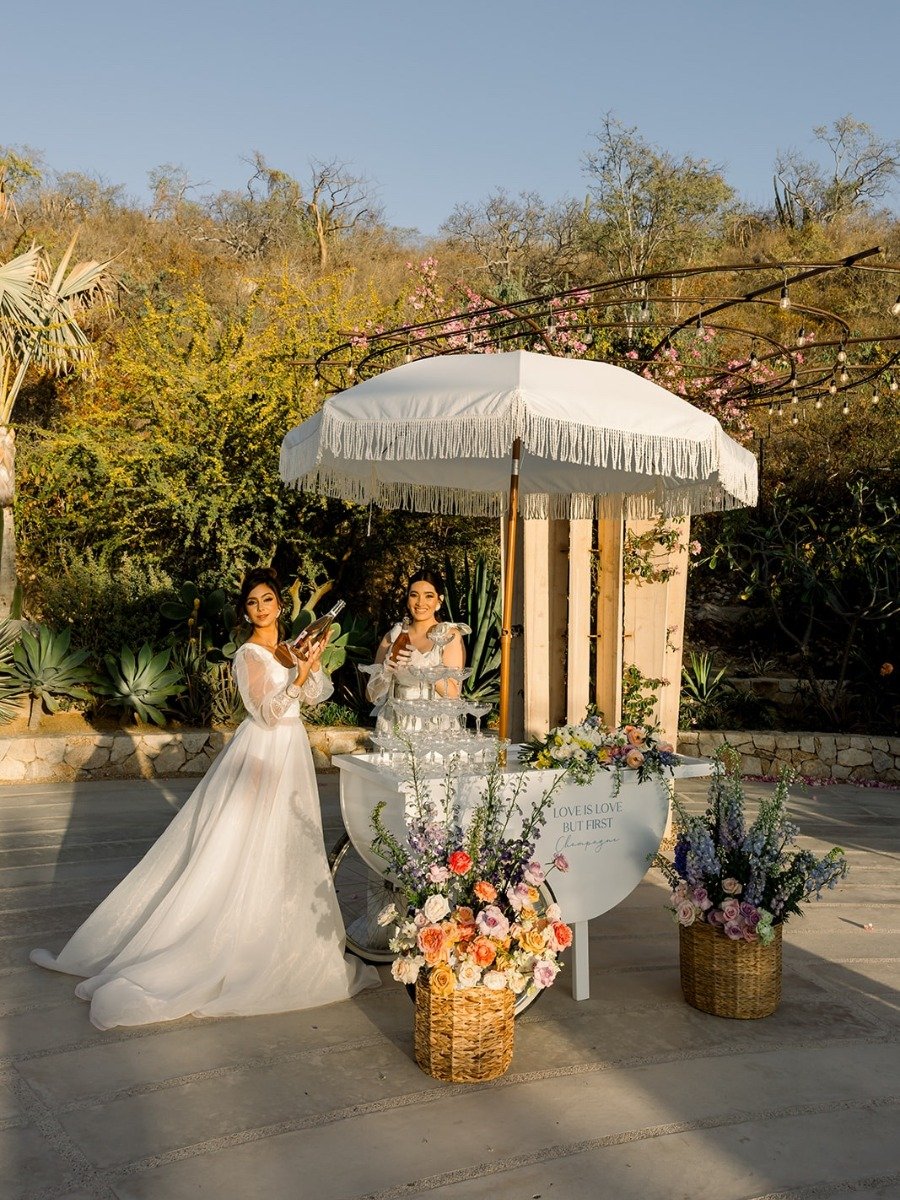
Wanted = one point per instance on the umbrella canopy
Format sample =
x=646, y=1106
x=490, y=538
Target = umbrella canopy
x=435, y=435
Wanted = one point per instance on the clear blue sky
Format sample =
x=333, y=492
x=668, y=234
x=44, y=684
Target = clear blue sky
x=437, y=103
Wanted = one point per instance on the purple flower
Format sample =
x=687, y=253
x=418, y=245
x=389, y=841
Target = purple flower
x=561, y=862
x=734, y=930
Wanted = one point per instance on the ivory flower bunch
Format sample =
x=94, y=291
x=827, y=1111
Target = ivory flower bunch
x=583, y=750
x=476, y=910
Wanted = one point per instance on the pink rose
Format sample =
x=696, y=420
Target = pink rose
x=686, y=913
x=492, y=923
x=544, y=973
x=731, y=887
x=438, y=874
x=634, y=758
x=534, y=873
x=731, y=910
x=561, y=862
x=734, y=930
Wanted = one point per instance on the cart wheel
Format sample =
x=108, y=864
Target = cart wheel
x=361, y=894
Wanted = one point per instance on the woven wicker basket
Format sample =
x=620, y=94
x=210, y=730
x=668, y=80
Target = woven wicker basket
x=729, y=978
x=465, y=1037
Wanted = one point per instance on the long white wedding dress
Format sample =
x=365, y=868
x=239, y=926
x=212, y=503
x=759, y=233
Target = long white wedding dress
x=232, y=911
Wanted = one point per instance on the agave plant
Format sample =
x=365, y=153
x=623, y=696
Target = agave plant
x=47, y=668
x=474, y=597
x=12, y=689
x=142, y=682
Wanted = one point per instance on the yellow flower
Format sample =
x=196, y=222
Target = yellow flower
x=442, y=981
x=531, y=940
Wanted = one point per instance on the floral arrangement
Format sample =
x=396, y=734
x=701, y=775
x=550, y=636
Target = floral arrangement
x=743, y=879
x=583, y=750
x=474, y=912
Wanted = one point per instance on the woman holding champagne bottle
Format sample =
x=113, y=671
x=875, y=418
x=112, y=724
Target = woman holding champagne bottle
x=408, y=644
x=232, y=911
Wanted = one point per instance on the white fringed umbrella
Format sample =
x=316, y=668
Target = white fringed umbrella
x=518, y=433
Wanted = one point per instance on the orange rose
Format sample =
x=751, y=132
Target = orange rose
x=483, y=951
x=563, y=934
x=451, y=932
x=532, y=941
x=459, y=862
x=442, y=981
x=465, y=932
x=464, y=915
x=432, y=943
x=485, y=891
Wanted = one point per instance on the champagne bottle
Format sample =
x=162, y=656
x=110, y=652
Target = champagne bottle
x=318, y=630
x=401, y=643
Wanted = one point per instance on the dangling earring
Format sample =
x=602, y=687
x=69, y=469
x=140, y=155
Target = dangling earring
x=246, y=619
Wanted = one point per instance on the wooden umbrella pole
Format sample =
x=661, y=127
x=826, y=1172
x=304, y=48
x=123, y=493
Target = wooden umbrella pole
x=509, y=579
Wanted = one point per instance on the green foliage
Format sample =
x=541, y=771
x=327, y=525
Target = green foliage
x=473, y=596
x=142, y=684
x=646, y=555
x=709, y=700
x=105, y=603
x=12, y=688
x=831, y=581
x=640, y=696
x=329, y=713
x=48, y=669
x=208, y=619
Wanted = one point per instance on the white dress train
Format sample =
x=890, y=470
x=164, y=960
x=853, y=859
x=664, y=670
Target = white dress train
x=232, y=911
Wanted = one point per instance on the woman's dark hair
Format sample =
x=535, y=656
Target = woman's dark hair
x=431, y=577
x=253, y=579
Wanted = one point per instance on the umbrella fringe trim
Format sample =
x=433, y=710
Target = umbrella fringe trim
x=544, y=437
x=458, y=502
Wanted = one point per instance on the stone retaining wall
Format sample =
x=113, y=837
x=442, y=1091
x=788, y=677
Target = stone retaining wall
x=139, y=754
x=820, y=755
x=26, y=758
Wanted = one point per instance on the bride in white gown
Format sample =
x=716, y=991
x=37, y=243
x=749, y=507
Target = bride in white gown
x=232, y=911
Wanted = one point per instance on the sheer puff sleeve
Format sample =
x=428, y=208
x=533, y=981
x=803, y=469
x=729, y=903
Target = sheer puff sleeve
x=268, y=689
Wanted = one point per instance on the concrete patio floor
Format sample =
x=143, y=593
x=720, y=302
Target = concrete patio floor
x=629, y=1094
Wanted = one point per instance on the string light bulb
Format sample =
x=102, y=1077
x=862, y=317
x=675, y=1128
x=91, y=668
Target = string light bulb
x=844, y=376
x=785, y=301
x=644, y=310
x=846, y=409
x=892, y=384
x=801, y=338
x=832, y=387
x=795, y=420
x=819, y=402
x=875, y=396
x=842, y=355
x=781, y=410
x=754, y=360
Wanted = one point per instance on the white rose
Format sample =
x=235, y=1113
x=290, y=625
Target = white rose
x=495, y=980
x=406, y=970
x=516, y=981
x=436, y=908
x=553, y=912
x=468, y=975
